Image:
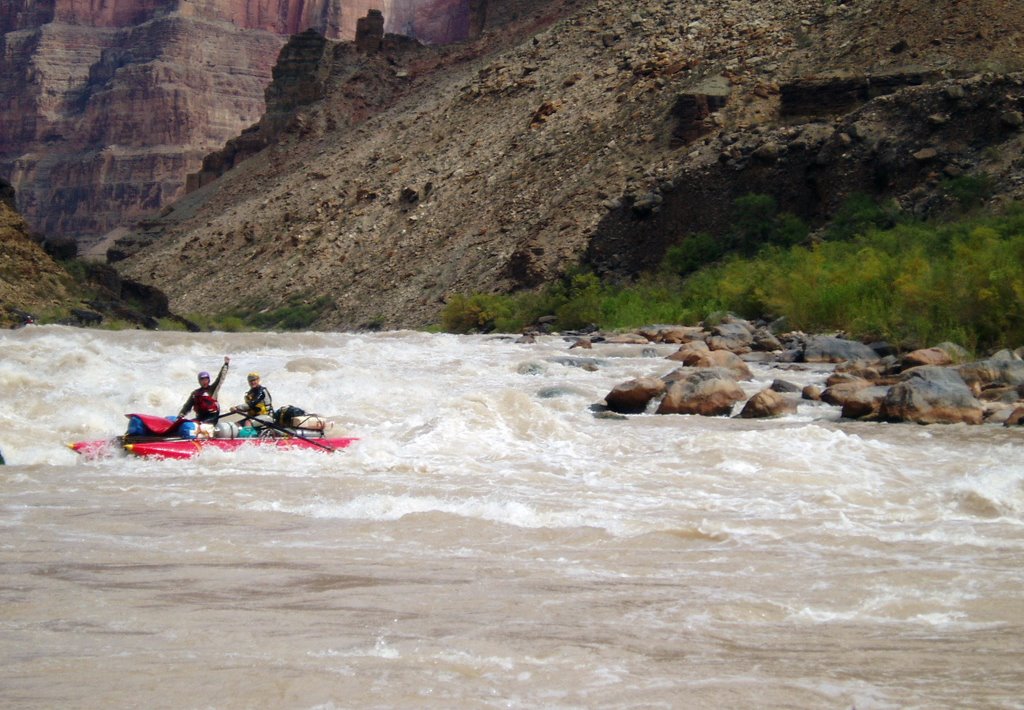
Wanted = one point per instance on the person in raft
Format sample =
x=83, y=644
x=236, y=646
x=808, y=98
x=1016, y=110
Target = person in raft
x=204, y=398
x=257, y=400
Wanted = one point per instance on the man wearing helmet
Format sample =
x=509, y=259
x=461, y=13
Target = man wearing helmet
x=204, y=398
x=257, y=399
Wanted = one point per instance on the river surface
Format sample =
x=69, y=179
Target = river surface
x=489, y=542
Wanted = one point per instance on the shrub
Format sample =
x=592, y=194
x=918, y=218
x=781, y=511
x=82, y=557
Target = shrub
x=477, y=313
x=757, y=223
x=969, y=191
x=298, y=314
x=693, y=252
x=858, y=214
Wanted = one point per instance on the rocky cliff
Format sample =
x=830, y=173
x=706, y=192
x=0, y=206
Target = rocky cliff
x=593, y=132
x=106, y=107
x=429, y=21
x=34, y=287
x=29, y=279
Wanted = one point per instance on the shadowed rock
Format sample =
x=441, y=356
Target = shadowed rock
x=823, y=348
x=633, y=396
x=932, y=395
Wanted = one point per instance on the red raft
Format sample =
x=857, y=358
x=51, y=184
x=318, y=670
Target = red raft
x=181, y=439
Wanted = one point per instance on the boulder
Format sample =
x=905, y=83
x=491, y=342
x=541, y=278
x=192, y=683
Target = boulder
x=855, y=375
x=767, y=403
x=733, y=337
x=926, y=356
x=864, y=403
x=811, y=392
x=999, y=370
x=627, y=339
x=838, y=393
x=673, y=333
x=931, y=395
x=1000, y=393
x=784, y=386
x=765, y=341
x=957, y=353
x=633, y=396
x=824, y=348
x=871, y=373
x=690, y=352
x=1016, y=417
x=723, y=359
x=707, y=392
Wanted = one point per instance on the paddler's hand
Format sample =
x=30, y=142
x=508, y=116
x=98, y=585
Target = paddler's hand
x=227, y=360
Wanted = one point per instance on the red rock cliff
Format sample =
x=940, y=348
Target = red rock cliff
x=107, y=105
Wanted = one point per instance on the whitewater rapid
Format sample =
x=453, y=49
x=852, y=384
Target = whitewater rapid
x=491, y=540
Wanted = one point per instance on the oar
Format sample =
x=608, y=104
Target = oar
x=281, y=429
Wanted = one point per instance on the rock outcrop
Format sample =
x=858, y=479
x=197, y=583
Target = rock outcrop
x=430, y=21
x=34, y=286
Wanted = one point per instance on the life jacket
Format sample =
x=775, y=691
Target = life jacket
x=204, y=404
x=258, y=401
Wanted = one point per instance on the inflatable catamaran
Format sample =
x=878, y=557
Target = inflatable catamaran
x=178, y=438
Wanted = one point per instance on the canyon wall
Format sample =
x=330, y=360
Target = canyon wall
x=429, y=21
x=107, y=105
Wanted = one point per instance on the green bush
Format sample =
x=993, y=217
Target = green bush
x=969, y=191
x=858, y=214
x=298, y=314
x=757, y=223
x=477, y=313
x=693, y=252
x=914, y=283
x=911, y=283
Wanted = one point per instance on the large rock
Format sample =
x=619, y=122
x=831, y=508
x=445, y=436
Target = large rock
x=768, y=403
x=706, y=392
x=838, y=393
x=926, y=356
x=765, y=341
x=824, y=348
x=691, y=355
x=734, y=337
x=1005, y=370
x=932, y=395
x=864, y=403
x=673, y=333
x=633, y=396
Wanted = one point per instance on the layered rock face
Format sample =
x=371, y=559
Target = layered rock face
x=430, y=21
x=106, y=107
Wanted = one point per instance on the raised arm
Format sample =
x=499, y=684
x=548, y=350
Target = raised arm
x=220, y=377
